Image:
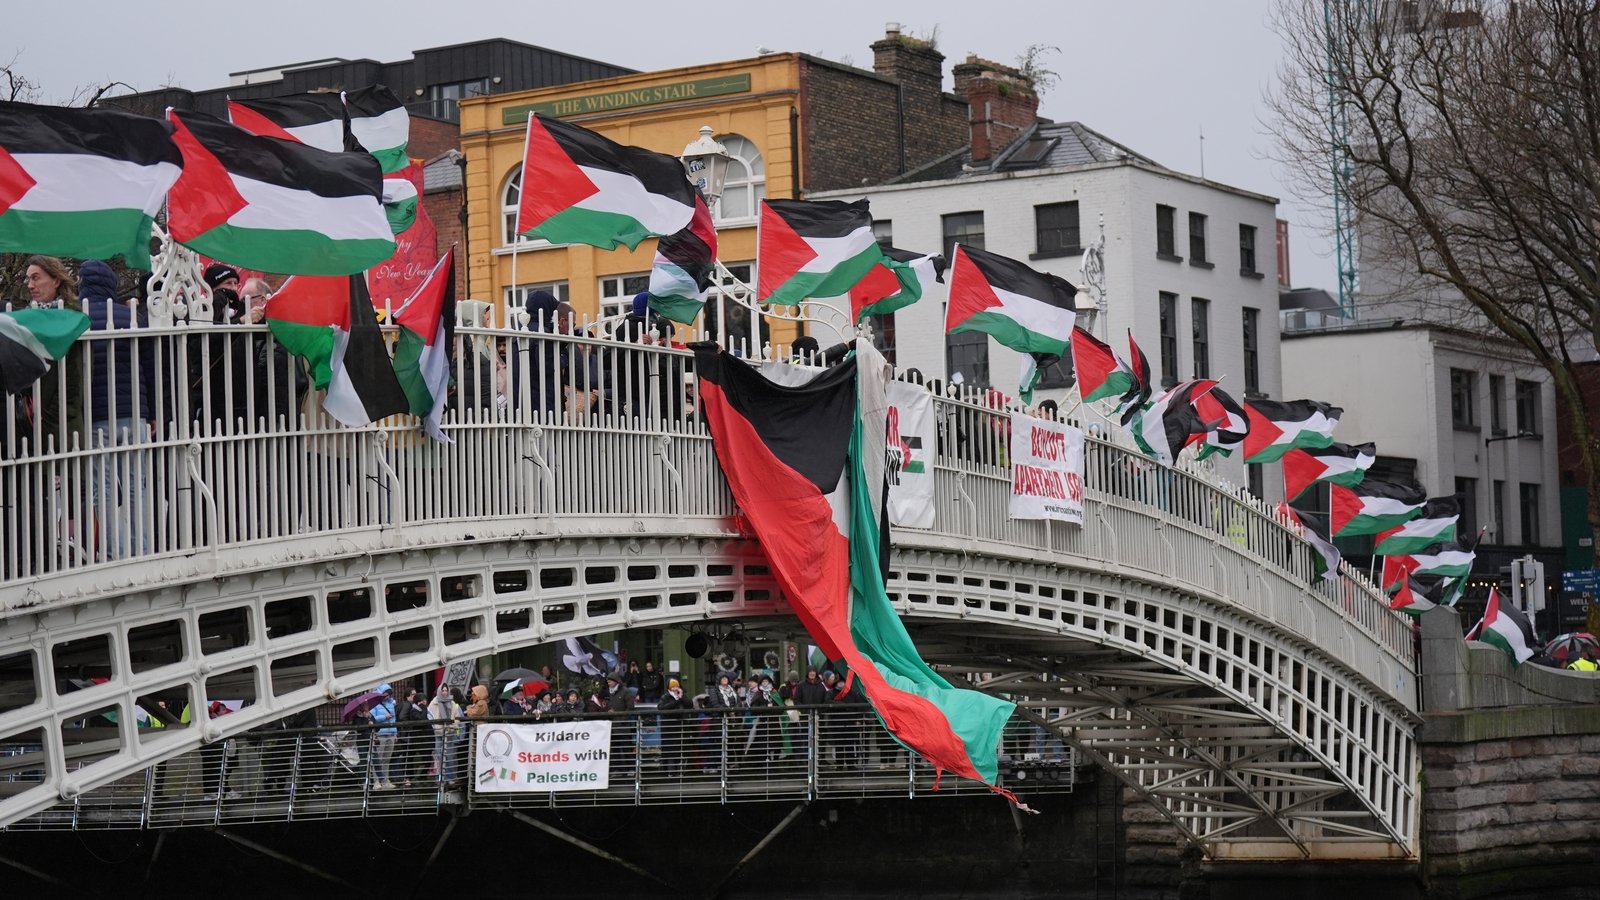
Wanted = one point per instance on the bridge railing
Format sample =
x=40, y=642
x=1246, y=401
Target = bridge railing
x=698, y=756
x=196, y=449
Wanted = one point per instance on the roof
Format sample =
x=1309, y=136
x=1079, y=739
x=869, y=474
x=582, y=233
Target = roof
x=1046, y=145
x=442, y=173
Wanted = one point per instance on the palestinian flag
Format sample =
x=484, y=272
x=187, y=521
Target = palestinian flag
x=1373, y=506
x=400, y=191
x=1505, y=626
x=685, y=267
x=1434, y=525
x=31, y=339
x=1232, y=423
x=1410, y=599
x=1337, y=463
x=1028, y=311
x=1137, y=396
x=897, y=281
x=85, y=183
x=330, y=323
x=380, y=124
x=1278, y=427
x=1314, y=528
x=273, y=205
x=1033, y=369
x=1100, y=373
x=316, y=120
x=806, y=465
x=810, y=249
x=1164, y=429
x=581, y=188
x=422, y=354
x=1446, y=560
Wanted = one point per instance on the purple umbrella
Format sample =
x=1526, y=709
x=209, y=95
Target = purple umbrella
x=360, y=704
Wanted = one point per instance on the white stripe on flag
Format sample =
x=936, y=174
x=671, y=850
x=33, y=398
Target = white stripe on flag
x=625, y=195
x=398, y=189
x=80, y=182
x=274, y=208
x=833, y=251
x=1384, y=506
x=327, y=135
x=383, y=132
x=1035, y=315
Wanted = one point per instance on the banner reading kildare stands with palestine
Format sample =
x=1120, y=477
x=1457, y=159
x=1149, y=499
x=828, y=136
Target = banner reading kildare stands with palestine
x=1046, y=470
x=560, y=756
x=911, y=446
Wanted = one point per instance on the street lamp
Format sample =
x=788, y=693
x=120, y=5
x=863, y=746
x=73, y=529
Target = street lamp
x=706, y=163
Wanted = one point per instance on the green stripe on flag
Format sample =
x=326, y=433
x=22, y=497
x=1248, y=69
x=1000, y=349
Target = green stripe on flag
x=91, y=234
x=408, y=369
x=831, y=283
x=292, y=252
x=1006, y=330
x=606, y=230
x=313, y=343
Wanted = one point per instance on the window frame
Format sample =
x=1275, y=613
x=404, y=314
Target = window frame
x=742, y=173
x=1200, y=331
x=1060, y=246
x=978, y=343
x=1167, y=344
x=619, y=304
x=1467, y=495
x=1250, y=325
x=1463, y=399
x=1167, y=233
x=516, y=296
x=1497, y=404
x=1197, y=241
x=950, y=237
x=1247, y=251
x=1528, y=509
x=1530, y=407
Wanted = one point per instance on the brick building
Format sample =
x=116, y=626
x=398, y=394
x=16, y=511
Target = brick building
x=431, y=83
x=796, y=124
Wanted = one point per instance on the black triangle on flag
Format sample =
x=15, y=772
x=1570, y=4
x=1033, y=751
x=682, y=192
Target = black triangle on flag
x=363, y=388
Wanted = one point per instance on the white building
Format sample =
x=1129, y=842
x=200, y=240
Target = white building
x=1189, y=263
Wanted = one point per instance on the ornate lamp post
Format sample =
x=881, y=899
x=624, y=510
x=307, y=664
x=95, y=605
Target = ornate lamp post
x=706, y=163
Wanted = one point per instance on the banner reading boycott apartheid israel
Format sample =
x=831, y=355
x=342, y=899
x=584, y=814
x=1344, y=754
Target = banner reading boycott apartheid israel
x=561, y=756
x=1046, y=470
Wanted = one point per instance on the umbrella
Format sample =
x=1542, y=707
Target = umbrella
x=518, y=673
x=1565, y=648
x=361, y=703
x=529, y=685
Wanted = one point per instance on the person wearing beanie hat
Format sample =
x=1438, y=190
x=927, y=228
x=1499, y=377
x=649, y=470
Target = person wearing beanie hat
x=675, y=721
x=218, y=275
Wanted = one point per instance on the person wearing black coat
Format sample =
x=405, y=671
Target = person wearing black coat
x=676, y=719
x=121, y=409
x=414, y=752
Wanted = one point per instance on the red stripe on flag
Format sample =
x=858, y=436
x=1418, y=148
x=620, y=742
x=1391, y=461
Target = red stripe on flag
x=879, y=283
x=551, y=181
x=14, y=181
x=255, y=123
x=203, y=196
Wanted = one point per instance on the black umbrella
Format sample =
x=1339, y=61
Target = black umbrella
x=519, y=674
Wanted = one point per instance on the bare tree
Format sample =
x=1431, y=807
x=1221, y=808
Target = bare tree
x=1471, y=132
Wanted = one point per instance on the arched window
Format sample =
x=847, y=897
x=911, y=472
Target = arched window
x=510, y=198
x=746, y=184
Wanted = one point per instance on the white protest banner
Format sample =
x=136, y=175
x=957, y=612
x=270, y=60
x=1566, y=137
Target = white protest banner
x=1046, y=470
x=560, y=756
x=911, y=446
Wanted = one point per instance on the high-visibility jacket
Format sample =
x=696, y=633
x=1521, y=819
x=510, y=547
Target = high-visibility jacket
x=1584, y=665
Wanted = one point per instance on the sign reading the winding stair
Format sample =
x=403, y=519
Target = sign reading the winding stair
x=1046, y=470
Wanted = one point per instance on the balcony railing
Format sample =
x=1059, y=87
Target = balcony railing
x=697, y=756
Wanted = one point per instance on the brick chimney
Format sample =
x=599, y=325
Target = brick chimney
x=1001, y=104
x=913, y=62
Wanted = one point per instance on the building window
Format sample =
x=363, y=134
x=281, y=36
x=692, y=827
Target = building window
x=443, y=100
x=1197, y=239
x=883, y=336
x=1528, y=397
x=746, y=186
x=1252, y=351
x=962, y=228
x=1247, y=250
x=517, y=297
x=1169, y=339
x=1467, y=496
x=967, y=355
x=1200, y=320
x=1463, y=385
x=1528, y=494
x=1166, y=232
x=1497, y=404
x=883, y=232
x=1498, y=503
x=617, y=291
x=1258, y=481
x=1058, y=374
x=1055, y=227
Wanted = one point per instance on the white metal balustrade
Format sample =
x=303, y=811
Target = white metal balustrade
x=581, y=494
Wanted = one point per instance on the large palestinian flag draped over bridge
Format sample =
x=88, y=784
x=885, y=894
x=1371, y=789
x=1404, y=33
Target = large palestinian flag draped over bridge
x=581, y=188
x=1278, y=427
x=85, y=183
x=805, y=464
x=1028, y=311
x=813, y=249
x=1373, y=506
x=274, y=205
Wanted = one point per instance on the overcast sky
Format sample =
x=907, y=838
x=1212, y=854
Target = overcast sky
x=1149, y=74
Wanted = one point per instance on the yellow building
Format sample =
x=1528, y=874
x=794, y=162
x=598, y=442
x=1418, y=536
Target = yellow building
x=792, y=123
x=748, y=105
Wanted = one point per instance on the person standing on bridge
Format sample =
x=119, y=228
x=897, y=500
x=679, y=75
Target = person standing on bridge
x=384, y=715
x=650, y=683
x=444, y=711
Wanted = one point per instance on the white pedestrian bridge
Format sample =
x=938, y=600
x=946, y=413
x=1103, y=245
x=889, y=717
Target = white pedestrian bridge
x=1177, y=639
